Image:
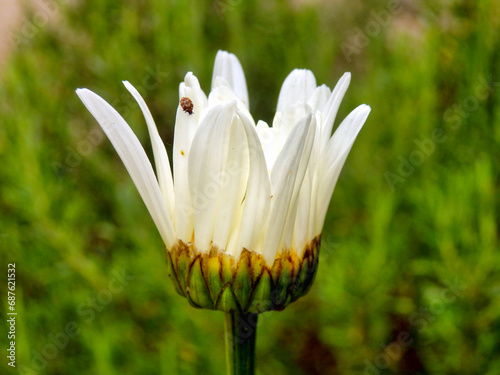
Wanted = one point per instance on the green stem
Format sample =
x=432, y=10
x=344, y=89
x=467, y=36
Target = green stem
x=241, y=330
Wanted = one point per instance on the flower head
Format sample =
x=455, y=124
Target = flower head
x=241, y=216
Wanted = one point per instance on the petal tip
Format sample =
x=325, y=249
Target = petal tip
x=365, y=108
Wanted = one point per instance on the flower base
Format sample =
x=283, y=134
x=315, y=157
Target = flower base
x=215, y=280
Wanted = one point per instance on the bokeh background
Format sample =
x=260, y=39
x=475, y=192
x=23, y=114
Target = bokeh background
x=409, y=276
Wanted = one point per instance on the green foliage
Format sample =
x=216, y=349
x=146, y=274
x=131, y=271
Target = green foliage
x=409, y=276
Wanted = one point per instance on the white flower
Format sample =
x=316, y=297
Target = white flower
x=237, y=184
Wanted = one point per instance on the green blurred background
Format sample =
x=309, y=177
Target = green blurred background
x=409, y=276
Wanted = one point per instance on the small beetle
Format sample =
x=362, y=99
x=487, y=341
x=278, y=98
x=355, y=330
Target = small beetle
x=187, y=105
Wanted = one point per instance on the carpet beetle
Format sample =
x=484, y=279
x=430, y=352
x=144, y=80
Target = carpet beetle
x=187, y=105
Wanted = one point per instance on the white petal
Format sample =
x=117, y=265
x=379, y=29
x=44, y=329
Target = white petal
x=286, y=178
x=345, y=135
x=305, y=210
x=332, y=106
x=185, y=128
x=258, y=194
x=303, y=187
x=319, y=98
x=269, y=142
x=290, y=224
x=304, y=231
x=134, y=158
x=160, y=153
x=336, y=153
x=191, y=89
x=233, y=184
x=228, y=67
x=207, y=159
x=285, y=121
x=222, y=93
x=297, y=88
x=314, y=173
x=233, y=247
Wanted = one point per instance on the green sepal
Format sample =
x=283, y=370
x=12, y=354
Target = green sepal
x=172, y=274
x=183, y=262
x=288, y=301
x=192, y=303
x=227, y=300
x=309, y=278
x=216, y=280
x=282, y=283
x=242, y=284
x=197, y=290
x=258, y=265
x=261, y=299
x=215, y=284
x=301, y=280
x=227, y=269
